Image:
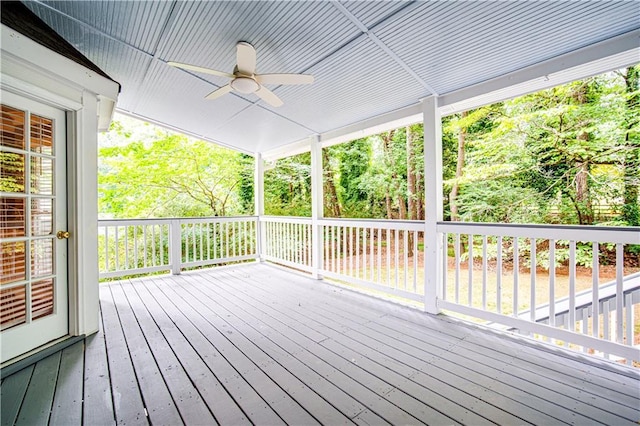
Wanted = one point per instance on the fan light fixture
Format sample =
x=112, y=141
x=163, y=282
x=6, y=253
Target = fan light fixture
x=244, y=84
x=244, y=78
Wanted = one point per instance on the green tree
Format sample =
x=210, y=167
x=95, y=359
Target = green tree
x=168, y=175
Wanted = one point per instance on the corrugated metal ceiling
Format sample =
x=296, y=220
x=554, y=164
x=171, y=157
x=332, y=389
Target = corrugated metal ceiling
x=368, y=58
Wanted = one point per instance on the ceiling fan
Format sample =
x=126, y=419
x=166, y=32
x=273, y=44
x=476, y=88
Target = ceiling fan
x=244, y=78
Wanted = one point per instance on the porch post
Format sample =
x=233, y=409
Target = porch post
x=433, y=204
x=258, y=199
x=317, y=208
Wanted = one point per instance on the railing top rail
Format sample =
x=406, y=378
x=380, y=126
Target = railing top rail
x=369, y=220
x=286, y=219
x=140, y=221
x=408, y=225
x=122, y=222
x=604, y=234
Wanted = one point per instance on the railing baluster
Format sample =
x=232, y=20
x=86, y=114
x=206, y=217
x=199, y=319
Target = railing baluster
x=572, y=286
x=144, y=245
x=334, y=249
x=552, y=283
x=456, y=251
x=388, y=252
x=470, y=271
x=629, y=322
x=106, y=248
x=117, y=248
x=339, y=249
x=193, y=242
x=305, y=260
x=499, y=275
x=135, y=247
x=605, y=323
x=245, y=238
x=126, y=247
x=405, y=252
x=357, y=253
x=226, y=240
x=235, y=230
x=343, y=248
x=619, y=291
x=415, y=261
x=201, y=241
x=585, y=326
x=396, y=259
x=217, y=241
x=532, y=268
x=364, y=253
x=372, y=259
x=208, y=231
x=516, y=273
x=351, y=251
x=484, y=272
x=595, y=299
x=379, y=255
x=153, y=245
x=160, y=244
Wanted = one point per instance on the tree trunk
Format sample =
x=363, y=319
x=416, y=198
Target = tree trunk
x=453, y=195
x=386, y=139
x=411, y=177
x=331, y=196
x=583, y=198
x=387, y=201
x=412, y=205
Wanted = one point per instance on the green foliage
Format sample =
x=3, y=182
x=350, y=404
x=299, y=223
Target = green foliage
x=151, y=173
x=287, y=187
x=570, y=154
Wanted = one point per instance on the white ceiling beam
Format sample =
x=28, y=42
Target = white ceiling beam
x=369, y=33
x=598, y=58
x=612, y=54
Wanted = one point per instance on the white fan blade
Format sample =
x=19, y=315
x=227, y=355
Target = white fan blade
x=269, y=97
x=284, y=79
x=219, y=92
x=246, y=58
x=200, y=69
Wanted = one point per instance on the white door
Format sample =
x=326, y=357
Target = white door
x=33, y=222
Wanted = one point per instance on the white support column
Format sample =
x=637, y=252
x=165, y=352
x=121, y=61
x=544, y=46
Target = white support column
x=433, y=204
x=317, y=207
x=258, y=199
x=82, y=156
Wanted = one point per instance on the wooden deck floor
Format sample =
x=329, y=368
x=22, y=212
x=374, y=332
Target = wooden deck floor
x=258, y=345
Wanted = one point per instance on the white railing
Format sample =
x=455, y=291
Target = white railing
x=142, y=246
x=287, y=241
x=382, y=255
x=578, y=292
x=547, y=281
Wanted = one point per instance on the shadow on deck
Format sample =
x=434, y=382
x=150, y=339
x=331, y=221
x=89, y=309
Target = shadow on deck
x=256, y=344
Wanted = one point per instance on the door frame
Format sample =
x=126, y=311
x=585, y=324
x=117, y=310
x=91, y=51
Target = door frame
x=51, y=327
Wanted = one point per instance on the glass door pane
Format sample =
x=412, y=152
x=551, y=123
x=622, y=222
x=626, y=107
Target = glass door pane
x=28, y=243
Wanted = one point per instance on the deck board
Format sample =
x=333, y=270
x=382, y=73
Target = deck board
x=12, y=393
x=97, y=385
x=255, y=344
x=67, y=403
x=38, y=399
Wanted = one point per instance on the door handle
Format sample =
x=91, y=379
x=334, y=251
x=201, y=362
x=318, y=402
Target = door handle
x=63, y=235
